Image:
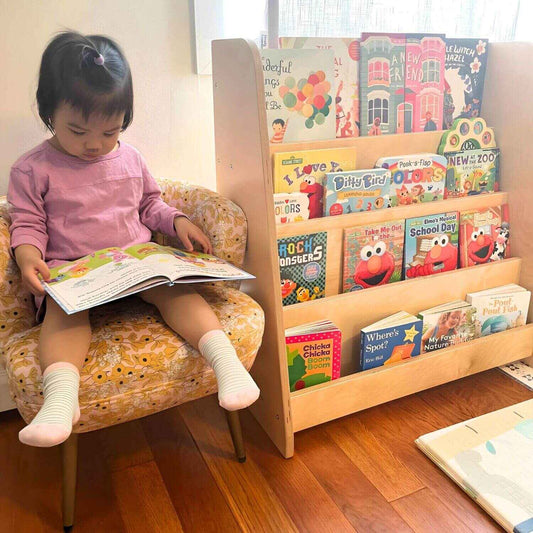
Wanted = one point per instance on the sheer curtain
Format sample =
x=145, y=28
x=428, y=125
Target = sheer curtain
x=494, y=19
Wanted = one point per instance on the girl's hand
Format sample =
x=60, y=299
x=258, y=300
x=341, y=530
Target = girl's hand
x=187, y=232
x=30, y=263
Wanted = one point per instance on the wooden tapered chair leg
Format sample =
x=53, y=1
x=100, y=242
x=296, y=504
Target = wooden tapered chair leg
x=69, y=454
x=236, y=434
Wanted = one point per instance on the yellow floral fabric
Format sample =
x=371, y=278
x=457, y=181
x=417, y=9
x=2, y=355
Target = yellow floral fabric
x=136, y=365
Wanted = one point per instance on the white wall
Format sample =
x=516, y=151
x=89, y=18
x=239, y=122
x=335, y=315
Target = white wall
x=173, y=115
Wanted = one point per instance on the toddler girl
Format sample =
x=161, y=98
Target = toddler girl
x=84, y=190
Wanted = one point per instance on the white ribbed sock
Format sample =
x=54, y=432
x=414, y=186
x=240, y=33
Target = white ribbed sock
x=236, y=388
x=53, y=423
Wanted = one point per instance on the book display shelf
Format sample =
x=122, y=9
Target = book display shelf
x=244, y=174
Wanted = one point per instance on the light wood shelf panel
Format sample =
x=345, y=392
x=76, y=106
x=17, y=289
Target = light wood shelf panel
x=350, y=394
x=352, y=311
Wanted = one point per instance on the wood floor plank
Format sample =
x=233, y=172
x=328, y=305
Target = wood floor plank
x=424, y=512
x=362, y=504
x=302, y=496
x=253, y=502
x=398, y=425
x=385, y=471
x=143, y=500
x=195, y=495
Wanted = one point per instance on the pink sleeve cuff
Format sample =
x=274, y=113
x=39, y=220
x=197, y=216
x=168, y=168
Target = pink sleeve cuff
x=26, y=238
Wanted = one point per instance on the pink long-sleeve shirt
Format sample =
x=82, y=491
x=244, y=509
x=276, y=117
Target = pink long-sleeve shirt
x=67, y=207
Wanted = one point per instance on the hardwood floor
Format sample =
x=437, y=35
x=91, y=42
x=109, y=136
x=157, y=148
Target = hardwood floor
x=176, y=471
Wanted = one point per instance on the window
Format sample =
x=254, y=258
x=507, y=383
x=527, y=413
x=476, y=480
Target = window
x=378, y=108
x=378, y=72
x=429, y=103
x=431, y=70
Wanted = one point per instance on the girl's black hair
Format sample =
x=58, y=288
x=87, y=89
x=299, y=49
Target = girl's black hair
x=69, y=74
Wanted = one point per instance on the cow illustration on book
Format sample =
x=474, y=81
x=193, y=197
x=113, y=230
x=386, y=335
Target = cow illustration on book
x=434, y=255
x=502, y=241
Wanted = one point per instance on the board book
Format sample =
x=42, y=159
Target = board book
x=500, y=308
x=415, y=178
x=489, y=457
x=372, y=255
x=448, y=324
x=467, y=134
x=291, y=207
x=395, y=338
x=299, y=94
x=302, y=265
x=305, y=172
x=465, y=67
x=313, y=354
x=431, y=244
x=113, y=273
x=471, y=172
x=484, y=235
x=357, y=190
x=346, y=76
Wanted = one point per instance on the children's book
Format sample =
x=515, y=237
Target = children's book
x=489, y=457
x=447, y=324
x=299, y=94
x=467, y=134
x=382, y=80
x=113, y=273
x=431, y=244
x=471, y=172
x=415, y=178
x=373, y=255
x=305, y=172
x=466, y=64
x=313, y=354
x=346, y=72
x=500, y=308
x=395, y=338
x=302, y=265
x=484, y=235
x=424, y=82
x=291, y=207
x=357, y=190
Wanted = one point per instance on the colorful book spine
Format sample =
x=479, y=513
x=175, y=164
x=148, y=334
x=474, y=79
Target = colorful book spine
x=346, y=72
x=382, y=76
x=484, y=235
x=357, y=190
x=313, y=358
x=302, y=263
x=373, y=255
x=424, y=82
x=415, y=178
x=431, y=244
x=390, y=344
x=465, y=67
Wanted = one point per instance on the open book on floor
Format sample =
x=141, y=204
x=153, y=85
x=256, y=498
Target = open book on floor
x=114, y=273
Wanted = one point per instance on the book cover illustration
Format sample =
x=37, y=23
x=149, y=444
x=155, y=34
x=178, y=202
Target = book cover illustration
x=467, y=134
x=373, y=255
x=472, y=172
x=305, y=172
x=424, y=82
x=484, y=235
x=415, y=178
x=453, y=325
x=302, y=264
x=382, y=78
x=388, y=341
x=291, y=207
x=357, y=190
x=346, y=72
x=465, y=67
x=313, y=357
x=299, y=94
x=431, y=244
x=500, y=308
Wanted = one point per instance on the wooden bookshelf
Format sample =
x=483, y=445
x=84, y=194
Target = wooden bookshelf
x=244, y=174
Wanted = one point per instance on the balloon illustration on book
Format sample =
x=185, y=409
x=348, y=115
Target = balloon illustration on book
x=309, y=97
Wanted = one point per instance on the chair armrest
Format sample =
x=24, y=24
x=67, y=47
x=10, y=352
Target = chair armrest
x=17, y=309
x=219, y=218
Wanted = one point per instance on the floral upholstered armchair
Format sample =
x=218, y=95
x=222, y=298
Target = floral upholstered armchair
x=136, y=365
